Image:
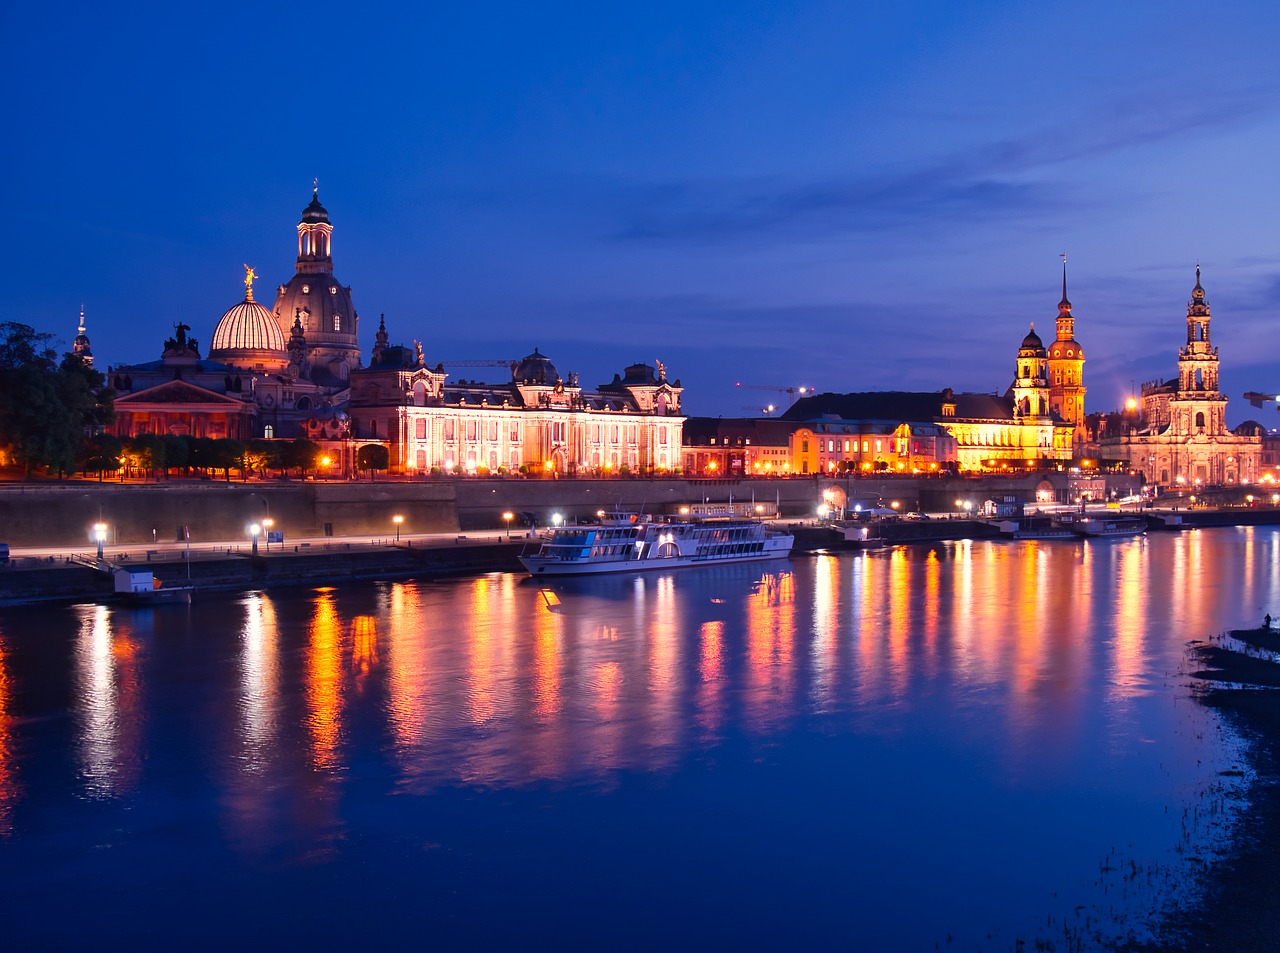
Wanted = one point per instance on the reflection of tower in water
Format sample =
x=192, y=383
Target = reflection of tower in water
x=8, y=766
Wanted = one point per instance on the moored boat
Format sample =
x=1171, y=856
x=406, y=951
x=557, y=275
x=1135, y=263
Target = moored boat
x=1110, y=526
x=633, y=542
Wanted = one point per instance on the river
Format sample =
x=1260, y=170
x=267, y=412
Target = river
x=950, y=747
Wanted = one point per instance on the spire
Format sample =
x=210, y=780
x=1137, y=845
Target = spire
x=379, y=340
x=1064, y=305
x=80, y=346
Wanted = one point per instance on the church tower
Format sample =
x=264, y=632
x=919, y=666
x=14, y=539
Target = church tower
x=1031, y=386
x=1066, y=367
x=1197, y=408
x=80, y=346
x=319, y=303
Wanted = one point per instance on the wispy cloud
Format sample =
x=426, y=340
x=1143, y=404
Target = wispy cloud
x=1012, y=178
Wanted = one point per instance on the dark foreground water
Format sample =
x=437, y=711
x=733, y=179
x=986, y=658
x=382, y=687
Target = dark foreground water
x=953, y=747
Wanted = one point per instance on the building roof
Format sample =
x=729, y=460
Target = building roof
x=898, y=405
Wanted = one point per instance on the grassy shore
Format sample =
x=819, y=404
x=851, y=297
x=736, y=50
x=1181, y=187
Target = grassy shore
x=1241, y=911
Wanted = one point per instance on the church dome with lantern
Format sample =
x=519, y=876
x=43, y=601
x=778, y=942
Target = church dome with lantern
x=318, y=304
x=248, y=335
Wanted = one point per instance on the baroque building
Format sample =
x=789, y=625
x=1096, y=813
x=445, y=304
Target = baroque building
x=538, y=422
x=1181, y=437
x=296, y=370
x=931, y=430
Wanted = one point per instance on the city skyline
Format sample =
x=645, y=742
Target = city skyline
x=834, y=198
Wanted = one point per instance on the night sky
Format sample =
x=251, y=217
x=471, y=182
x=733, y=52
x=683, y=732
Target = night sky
x=846, y=196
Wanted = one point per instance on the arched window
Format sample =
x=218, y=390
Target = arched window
x=419, y=394
x=1200, y=421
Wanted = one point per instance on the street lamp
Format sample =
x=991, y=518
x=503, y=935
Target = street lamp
x=254, y=530
x=266, y=528
x=507, y=517
x=100, y=535
x=556, y=520
x=397, y=519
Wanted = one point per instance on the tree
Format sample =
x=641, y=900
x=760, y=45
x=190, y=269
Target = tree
x=200, y=452
x=177, y=452
x=373, y=456
x=303, y=454
x=145, y=452
x=259, y=456
x=46, y=409
x=101, y=453
x=225, y=453
x=35, y=423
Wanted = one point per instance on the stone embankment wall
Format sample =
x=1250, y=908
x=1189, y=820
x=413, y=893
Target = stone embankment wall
x=62, y=515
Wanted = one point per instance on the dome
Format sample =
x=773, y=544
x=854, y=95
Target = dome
x=315, y=212
x=247, y=327
x=535, y=369
x=1032, y=341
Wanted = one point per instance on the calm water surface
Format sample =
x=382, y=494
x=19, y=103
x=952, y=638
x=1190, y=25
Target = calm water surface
x=959, y=746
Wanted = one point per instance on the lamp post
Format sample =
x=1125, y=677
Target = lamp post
x=507, y=518
x=556, y=520
x=100, y=536
x=254, y=530
x=397, y=519
x=266, y=528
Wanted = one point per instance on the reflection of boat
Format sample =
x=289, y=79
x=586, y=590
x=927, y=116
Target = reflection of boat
x=1033, y=528
x=631, y=542
x=1110, y=526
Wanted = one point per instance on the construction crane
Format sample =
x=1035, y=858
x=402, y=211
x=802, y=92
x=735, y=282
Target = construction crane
x=791, y=392
x=509, y=366
x=1258, y=400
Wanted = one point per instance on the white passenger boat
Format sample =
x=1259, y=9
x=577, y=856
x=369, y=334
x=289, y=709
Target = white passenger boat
x=632, y=542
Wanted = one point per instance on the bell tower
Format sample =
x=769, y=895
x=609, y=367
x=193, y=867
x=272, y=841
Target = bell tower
x=1198, y=408
x=1031, y=386
x=1066, y=366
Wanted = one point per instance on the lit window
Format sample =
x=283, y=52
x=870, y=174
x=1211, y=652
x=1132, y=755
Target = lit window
x=337, y=322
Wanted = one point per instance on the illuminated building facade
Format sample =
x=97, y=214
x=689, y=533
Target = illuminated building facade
x=982, y=431
x=1182, y=436
x=538, y=422
x=738, y=446
x=867, y=445
x=267, y=373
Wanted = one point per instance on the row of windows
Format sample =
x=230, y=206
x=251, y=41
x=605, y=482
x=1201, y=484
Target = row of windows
x=474, y=429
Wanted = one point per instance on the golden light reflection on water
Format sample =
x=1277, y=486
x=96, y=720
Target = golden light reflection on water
x=9, y=789
x=109, y=702
x=259, y=680
x=709, y=699
x=484, y=681
x=771, y=633
x=324, y=681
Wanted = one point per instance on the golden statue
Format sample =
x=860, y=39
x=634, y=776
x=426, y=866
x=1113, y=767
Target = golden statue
x=249, y=275
x=662, y=370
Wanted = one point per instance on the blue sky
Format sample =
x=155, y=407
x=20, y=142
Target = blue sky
x=840, y=195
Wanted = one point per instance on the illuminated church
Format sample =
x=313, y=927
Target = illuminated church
x=296, y=370
x=1181, y=437
x=1033, y=423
